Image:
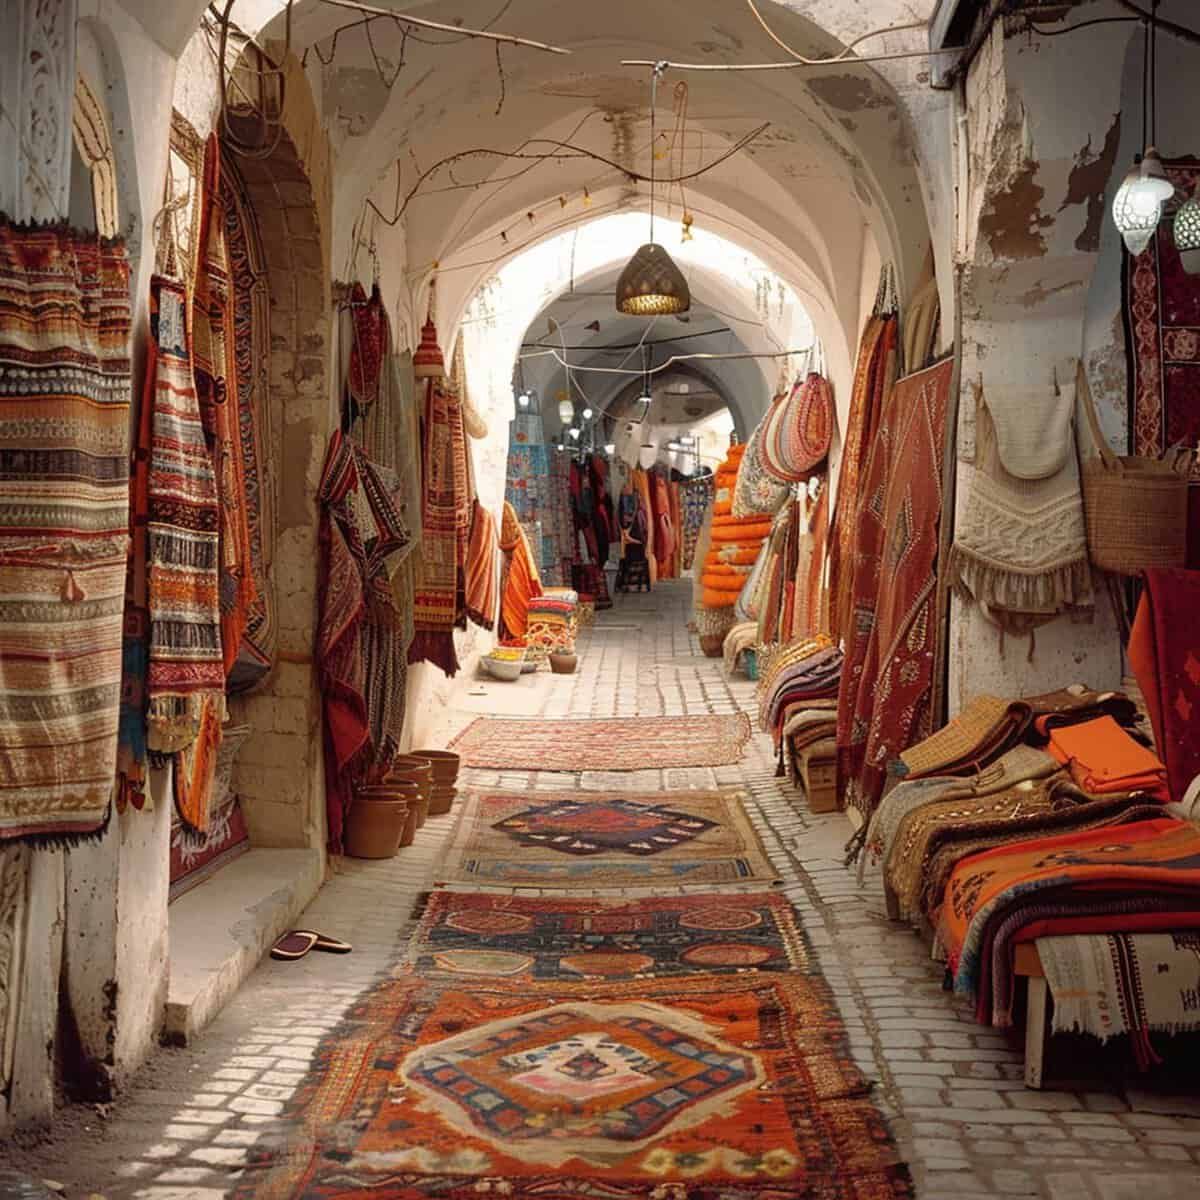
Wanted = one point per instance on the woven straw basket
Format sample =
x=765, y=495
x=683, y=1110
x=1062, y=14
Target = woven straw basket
x=1136, y=507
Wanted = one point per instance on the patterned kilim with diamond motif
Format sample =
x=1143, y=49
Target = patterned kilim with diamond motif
x=704, y=1088
x=606, y=744
x=605, y=839
x=570, y=939
x=887, y=674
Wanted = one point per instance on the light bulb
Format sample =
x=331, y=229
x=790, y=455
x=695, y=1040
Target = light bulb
x=523, y=399
x=587, y=414
x=574, y=433
x=566, y=411
x=610, y=448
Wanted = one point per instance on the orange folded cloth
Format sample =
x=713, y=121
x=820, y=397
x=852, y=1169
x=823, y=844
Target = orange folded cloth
x=1103, y=758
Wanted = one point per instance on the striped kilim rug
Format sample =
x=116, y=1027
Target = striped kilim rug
x=606, y=744
x=605, y=839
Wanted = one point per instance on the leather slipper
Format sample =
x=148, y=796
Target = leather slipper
x=294, y=944
x=330, y=945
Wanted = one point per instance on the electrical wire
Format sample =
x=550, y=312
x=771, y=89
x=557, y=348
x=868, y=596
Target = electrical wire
x=844, y=55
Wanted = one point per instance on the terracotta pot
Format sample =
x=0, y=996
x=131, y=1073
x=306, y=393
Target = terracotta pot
x=423, y=809
x=563, y=664
x=441, y=800
x=712, y=647
x=374, y=828
x=444, y=764
x=410, y=827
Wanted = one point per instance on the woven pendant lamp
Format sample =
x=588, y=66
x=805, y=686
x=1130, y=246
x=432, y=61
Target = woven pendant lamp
x=651, y=285
x=428, y=362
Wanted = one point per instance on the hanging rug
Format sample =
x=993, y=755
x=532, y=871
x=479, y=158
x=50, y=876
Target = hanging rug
x=605, y=744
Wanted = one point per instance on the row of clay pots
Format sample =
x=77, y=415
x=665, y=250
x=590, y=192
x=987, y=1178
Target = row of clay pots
x=386, y=815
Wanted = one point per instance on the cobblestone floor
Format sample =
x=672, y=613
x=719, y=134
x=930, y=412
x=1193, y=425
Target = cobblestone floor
x=951, y=1089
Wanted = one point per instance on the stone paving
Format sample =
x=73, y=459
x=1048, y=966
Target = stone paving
x=952, y=1090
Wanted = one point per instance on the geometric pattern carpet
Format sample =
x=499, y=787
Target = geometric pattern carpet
x=546, y=939
x=604, y=744
x=705, y=1087
x=586, y=840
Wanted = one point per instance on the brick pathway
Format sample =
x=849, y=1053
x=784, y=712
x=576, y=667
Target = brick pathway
x=952, y=1089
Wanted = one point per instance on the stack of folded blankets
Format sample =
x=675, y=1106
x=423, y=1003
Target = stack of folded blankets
x=809, y=734
x=742, y=637
x=801, y=676
x=1144, y=877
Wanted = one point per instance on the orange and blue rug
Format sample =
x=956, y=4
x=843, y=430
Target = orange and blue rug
x=548, y=939
x=698, y=1088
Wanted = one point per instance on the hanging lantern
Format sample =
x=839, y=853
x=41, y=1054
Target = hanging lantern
x=652, y=285
x=1137, y=206
x=1187, y=235
x=566, y=411
x=428, y=362
x=648, y=455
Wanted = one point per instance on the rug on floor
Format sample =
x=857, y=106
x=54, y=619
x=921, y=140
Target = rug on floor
x=605, y=839
x=571, y=939
x=695, y=1089
x=606, y=744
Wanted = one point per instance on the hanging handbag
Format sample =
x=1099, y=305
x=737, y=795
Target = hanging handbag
x=1135, y=507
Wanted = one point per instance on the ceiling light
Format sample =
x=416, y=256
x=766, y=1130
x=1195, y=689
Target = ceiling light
x=587, y=414
x=651, y=285
x=1187, y=235
x=523, y=399
x=648, y=455
x=566, y=411
x=610, y=448
x=688, y=439
x=574, y=433
x=1138, y=203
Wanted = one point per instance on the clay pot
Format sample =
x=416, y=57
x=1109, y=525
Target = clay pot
x=563, y=664
x=374, y=827
x=712, y=646
x=444, y=764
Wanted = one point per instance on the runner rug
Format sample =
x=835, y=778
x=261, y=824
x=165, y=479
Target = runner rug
x=630, y=744
x=570, y=939
x=690, y=1089
x=605, y=839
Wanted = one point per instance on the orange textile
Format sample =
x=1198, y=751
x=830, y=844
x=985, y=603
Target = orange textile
x=641, y=485
x=480, y=585
x=735, y=542
x=523, y=581
x=1103, y=758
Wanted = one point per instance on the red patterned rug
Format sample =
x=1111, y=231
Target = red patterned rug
x=607, y=744
x=605, y=839
x=1163, y=343
x=569, y=939
x=703, y=1088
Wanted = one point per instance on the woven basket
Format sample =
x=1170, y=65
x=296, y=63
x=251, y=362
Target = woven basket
x=1135, y=507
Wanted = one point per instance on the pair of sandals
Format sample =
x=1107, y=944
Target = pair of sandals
x=296, y=943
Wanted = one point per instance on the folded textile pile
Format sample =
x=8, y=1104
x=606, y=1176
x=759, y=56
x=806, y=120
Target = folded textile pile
x=1103, y=759
x=809, y=729
x=1124, y=983
x=737, y=641
x=795, y=676
x=549, y=628
x=1144, y=877
x=734, y=544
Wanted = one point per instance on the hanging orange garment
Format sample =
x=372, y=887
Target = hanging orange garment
x=641, y=485
x=677, y=526
x=523, y=581
x=480, y=581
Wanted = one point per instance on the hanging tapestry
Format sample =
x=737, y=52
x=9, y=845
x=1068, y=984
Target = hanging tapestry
x=446, y=509
x=695, y=500
x=1164, y=654
x=186, y=664
x=560, y=545
x=481, y=569
x=891, y=640
x=1162, y=339
x=64, y=525
x=251, y=357
x=664, y=528
x=359, y=652
x=216, y=382
x=874, y=375
x=520, y=582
